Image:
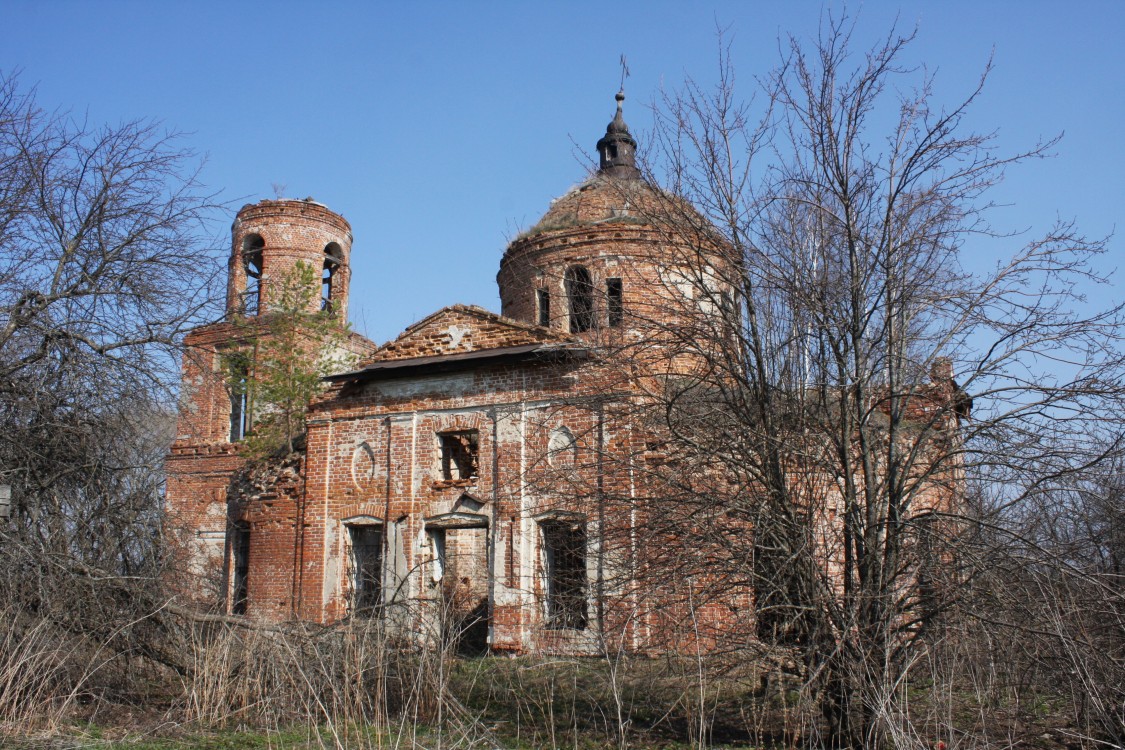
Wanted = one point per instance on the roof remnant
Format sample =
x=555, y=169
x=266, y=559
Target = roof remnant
x=549, y=352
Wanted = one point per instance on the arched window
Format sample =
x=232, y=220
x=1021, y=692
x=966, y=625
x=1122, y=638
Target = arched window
x=543, y=302
x=580, y=295
x=333, y=257
x=252, y=245
x=239, y=390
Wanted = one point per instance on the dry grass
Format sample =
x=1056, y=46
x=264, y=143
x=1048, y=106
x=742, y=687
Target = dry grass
x=36, y=667
x=356, y=685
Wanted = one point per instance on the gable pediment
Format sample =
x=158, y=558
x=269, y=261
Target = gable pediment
x=462, y=329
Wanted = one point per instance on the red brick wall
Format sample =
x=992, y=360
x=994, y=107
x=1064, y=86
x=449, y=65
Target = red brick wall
x=357, y=435
x=293, y=230
x=202, y=462
x=616, y=229
x=373, y=451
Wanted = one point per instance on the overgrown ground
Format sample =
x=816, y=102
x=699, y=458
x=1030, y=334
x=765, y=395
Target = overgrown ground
x=538, y=703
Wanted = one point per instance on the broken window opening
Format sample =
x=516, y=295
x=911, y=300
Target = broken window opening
x=580, y=295
x=459, y=454
x=252, y=246
x=240, y=552
x=564, y=561
x=367, y=559
x=333, y=257
x=543, y=297
x=240, y=413
x=615, y=303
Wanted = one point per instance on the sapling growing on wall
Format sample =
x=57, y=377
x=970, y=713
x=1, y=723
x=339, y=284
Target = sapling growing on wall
x=288, y=351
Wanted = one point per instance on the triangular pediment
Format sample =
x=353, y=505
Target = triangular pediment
x=468, y=504
x=460, y=329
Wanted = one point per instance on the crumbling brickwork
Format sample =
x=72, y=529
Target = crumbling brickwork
x=275, y=235
x=205, y=458
x=482, y=475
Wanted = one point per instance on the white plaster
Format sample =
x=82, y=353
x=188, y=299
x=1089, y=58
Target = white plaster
x=337, y=359
x=456, y=335
x=332, y=581
x=528, y=527
x=447, y=385
x=502, y=593
x=509, y=429
x=206, y=560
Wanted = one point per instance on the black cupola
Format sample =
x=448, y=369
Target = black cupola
x=617, y=150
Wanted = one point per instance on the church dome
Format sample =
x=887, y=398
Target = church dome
x=606, y=253
x=599, y=200
x=616, y=194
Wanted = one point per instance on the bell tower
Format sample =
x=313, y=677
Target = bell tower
x=270, y=237
x=217, y=408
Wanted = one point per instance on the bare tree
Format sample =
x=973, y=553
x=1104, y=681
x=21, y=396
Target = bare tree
x=105, y=261
x=823, y=393
x=1053, y=593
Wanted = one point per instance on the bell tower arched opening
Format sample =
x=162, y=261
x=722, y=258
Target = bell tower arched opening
x=333, y=258
x=252, y=265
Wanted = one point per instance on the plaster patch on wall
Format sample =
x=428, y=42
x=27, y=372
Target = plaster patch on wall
x=509, y=430
x=332, y=583
x=448, y=385
x=187, y=400
x=456, y=336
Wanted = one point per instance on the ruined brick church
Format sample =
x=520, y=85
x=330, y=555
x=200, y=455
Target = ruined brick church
x=487, y=465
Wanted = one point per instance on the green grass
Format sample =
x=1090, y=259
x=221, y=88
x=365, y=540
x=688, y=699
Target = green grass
x=302, y=738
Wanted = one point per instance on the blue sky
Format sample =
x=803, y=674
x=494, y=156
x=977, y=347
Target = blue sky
x=441, y=129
